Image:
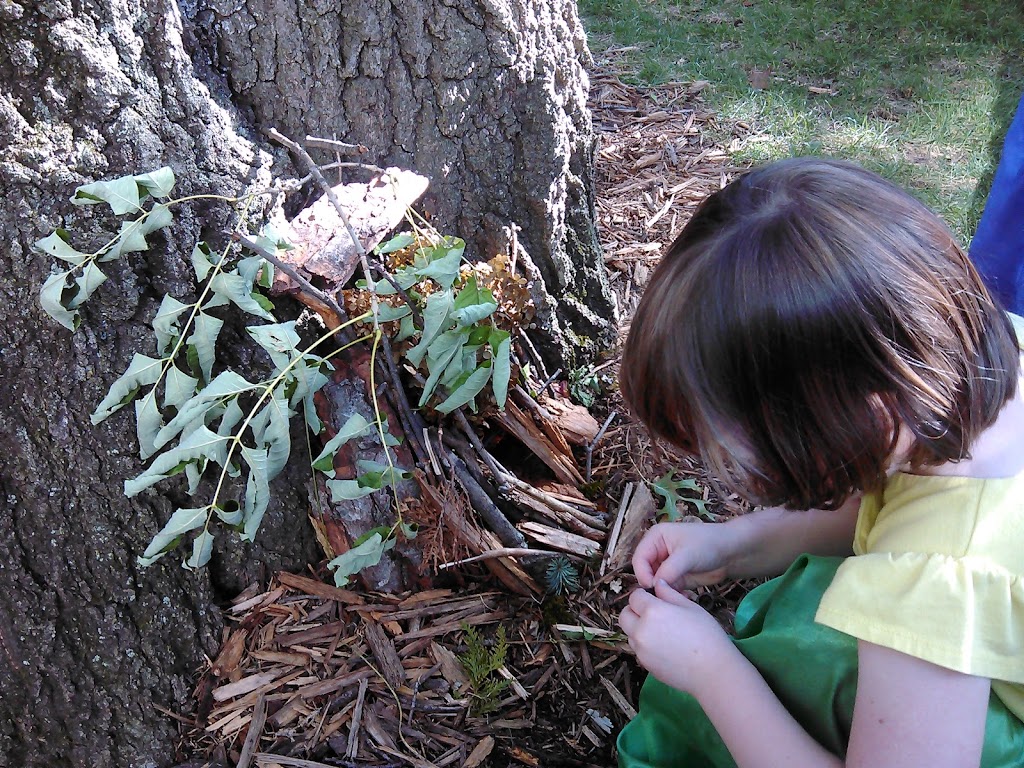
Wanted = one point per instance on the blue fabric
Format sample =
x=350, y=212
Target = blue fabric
x=998, y=246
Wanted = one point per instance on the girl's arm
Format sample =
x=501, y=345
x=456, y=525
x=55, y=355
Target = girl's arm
x=762, y=543
x=908, y=712
x=767, y=541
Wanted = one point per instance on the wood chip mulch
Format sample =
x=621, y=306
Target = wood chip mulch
x=310, y=675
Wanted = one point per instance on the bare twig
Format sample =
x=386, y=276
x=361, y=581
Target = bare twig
x=484, y=454
x=334, y=145
x=377, y=267
x=596, y=440
x=507, y=533
x=506, y=552
x=329, y=191
x=534, y=353
x=252, y=739
x=590, y=521
x=547, y=383
x=295, y=275
x=412, y=423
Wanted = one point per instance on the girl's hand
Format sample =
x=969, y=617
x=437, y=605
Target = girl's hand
x=675, y=639
x=686, y=555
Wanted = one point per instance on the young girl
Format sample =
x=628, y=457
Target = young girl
x=818, y=338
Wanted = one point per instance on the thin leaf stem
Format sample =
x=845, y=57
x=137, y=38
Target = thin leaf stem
x=268, y=389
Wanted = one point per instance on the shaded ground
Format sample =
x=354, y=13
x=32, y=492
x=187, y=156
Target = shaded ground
x=310, y=675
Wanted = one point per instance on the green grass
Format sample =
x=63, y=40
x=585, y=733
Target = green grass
x=922, y=91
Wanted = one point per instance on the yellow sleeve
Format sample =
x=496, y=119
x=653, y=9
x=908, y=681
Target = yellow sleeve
x=937, y=575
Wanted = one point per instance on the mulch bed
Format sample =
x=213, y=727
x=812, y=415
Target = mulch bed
x=311, y=675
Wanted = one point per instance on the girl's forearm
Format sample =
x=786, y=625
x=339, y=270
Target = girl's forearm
x=754, y=725
x=768, y=540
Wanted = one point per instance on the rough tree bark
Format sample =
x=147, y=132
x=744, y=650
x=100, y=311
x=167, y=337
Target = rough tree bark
x=486, y=97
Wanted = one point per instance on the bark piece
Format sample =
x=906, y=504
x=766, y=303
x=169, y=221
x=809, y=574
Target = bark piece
x=523, y=427
x=323, y=245
x=574, y=421
x=388, y=663
x=561, y=540
x=634, y=516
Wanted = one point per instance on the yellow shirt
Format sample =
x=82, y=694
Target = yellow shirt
x=938, y=574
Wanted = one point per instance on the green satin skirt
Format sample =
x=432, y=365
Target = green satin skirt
x=811, y=668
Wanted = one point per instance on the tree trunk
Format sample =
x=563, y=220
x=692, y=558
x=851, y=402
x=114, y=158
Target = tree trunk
x=486, y=98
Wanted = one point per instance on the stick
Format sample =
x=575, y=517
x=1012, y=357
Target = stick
x=353, y=734
x=507, y=533
x=506, y=552
x=596, y=440
x=613, y=540
x=338, y=146
x=329, y=191
x=252, y=738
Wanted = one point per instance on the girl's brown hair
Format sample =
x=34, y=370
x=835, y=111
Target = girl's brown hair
x=806, y=312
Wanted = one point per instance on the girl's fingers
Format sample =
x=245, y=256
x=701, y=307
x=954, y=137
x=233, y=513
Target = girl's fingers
x=649, y=555
x=639, y=599
x=628, y=620
x=666, y=592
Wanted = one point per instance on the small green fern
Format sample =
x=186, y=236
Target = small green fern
x=482, y=664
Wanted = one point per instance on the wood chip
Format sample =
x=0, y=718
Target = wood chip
x=480, y=752
x=318, y=588
x=388, y=663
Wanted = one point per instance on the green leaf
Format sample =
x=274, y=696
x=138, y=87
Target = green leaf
x=205, y=330
x=406, y=329
x=473, y=304
x=355, y=426
x=227, y=386
x=230, y=513
x=377, y=475
x=386, y=313
x=275, y=436
x=147, y=424
x=179, y=387
x=158, y=183
x=365, y=555
x=230, y=418
x=122, y=195
x=202, y=547
x=440, y=354
x=469, y=389
x=165, y=324
x=309, y=380
x=181, y=522
x=236, y=288
x=142, y=372
x=435, y=320
x=51, y=299
x=201, y=261
x=396, y=243
x=668, y=488
x=409, y=529
x=194, y=473
x=57, y=244
x=87, y=282
x=249, y=267
x=130, y=239
x=200, y=444
x=278, y=340
x=159, y=217
x=501, y=344
x=445, y=260
x=348, y=490
x=257, y=491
